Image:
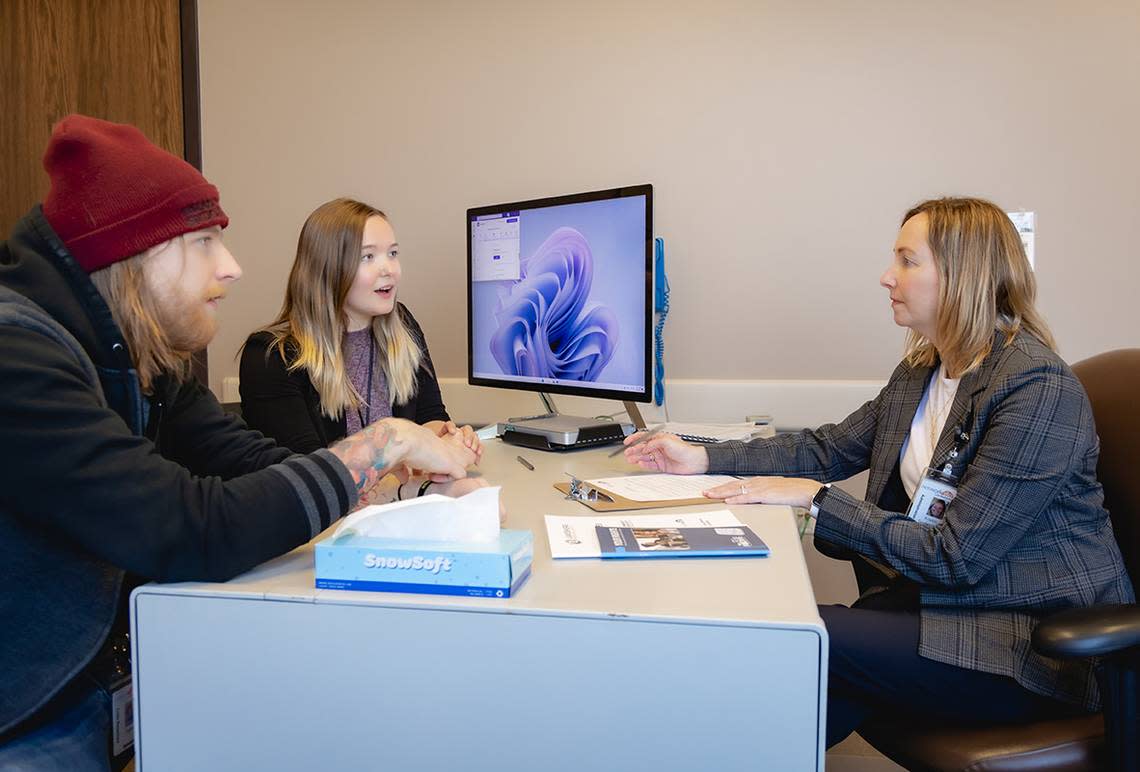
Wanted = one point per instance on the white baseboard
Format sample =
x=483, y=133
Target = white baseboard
x=230, y=391
x=792, y=404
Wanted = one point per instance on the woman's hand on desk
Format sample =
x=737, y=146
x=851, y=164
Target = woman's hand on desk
x=462, y=434
x=790, y=491
x=666, y=453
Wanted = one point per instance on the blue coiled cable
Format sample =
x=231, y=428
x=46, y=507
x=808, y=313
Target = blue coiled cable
x=661, y=306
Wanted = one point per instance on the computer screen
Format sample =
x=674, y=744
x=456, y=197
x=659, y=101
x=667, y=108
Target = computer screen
x=558, y=295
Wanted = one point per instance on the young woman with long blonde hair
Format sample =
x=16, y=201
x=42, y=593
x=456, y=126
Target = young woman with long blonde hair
x=344, y=352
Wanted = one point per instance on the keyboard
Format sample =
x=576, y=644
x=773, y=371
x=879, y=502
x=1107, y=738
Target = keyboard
x=707, y=434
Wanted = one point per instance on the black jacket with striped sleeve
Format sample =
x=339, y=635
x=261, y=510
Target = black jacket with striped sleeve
x=102, y=487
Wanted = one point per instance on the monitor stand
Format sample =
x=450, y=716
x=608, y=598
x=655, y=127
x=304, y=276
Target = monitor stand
x=554, y=431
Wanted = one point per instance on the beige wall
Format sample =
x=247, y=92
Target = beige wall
x=784, y=140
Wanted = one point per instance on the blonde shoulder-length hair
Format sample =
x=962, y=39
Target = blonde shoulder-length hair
x=985, y=284
x=135, y=309
x=309, y=330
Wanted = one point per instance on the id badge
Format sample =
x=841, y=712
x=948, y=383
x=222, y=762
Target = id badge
x=934, y=494
x=111, y=670
x=122, y=717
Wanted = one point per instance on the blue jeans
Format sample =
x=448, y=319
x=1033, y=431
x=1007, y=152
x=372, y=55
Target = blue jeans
x=74, y=738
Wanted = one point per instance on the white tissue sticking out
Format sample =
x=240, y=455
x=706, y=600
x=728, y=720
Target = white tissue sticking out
x=470, y=518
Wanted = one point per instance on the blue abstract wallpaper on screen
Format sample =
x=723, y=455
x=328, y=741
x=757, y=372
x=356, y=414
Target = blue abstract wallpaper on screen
x=543, y=331
x=576, y=312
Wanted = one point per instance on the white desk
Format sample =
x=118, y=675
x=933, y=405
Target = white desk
x=679, y=664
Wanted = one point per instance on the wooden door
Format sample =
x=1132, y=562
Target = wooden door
x=130, y=61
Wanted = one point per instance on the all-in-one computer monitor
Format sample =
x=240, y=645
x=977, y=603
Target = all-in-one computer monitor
x=559, y=298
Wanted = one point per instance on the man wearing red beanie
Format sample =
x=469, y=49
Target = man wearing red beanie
x=116, y=467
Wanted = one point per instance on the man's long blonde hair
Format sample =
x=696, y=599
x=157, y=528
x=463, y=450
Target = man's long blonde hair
x=309, y=330
x=985, y=284
x=135, y=310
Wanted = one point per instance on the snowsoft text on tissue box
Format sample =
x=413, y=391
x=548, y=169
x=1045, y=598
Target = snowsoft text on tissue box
x=494, y=569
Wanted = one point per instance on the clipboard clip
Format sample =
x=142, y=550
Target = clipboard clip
x=580, y=490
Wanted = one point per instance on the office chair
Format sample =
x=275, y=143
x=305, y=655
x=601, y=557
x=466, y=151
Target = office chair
x=1101, y=741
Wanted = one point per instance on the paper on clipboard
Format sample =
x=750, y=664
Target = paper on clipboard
x=573, y=536
x=660, y=487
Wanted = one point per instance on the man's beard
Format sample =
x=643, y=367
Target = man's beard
x=188, y=324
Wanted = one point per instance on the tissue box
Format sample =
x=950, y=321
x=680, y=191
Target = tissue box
x=492, y=570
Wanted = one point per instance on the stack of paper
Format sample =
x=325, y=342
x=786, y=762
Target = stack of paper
x=660, y=488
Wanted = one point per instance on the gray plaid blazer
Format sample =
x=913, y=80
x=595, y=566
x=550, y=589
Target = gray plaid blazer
x=1026, y=535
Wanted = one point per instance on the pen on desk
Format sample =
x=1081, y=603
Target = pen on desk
x=651, y=433
x=525, y=463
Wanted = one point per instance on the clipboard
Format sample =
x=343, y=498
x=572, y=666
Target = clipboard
x=601, y=500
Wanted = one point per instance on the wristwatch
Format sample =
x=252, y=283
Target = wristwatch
x=817, y=499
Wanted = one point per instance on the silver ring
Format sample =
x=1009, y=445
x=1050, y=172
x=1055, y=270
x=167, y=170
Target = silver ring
x=742, y=491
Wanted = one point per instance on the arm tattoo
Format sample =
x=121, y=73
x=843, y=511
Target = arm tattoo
x=368, y=454
x=382, y=492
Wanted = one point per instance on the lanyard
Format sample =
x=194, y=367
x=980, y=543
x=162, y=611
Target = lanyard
x=366, y=416
x=961, y=437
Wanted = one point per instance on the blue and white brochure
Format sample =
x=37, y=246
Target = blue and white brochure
x=703, y=534
x=736, y=540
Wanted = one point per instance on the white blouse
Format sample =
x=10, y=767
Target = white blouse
x=926, y=428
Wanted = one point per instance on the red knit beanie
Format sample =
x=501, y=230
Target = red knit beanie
x=114, y=194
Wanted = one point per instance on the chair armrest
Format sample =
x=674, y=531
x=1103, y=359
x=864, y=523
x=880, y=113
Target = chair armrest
x=1088, y=632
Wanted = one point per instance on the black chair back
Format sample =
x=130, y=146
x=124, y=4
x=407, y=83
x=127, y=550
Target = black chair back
x=1112, y=381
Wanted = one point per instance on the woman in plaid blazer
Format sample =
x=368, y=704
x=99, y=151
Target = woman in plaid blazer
x=945, y=630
